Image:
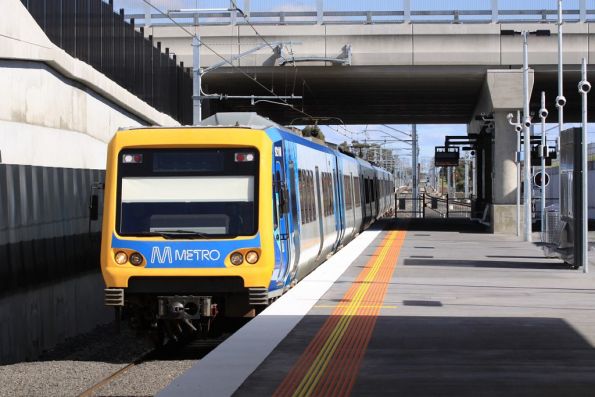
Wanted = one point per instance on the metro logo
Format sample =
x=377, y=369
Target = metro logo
x=193, y=254
x=167, y=255
x=162, y=257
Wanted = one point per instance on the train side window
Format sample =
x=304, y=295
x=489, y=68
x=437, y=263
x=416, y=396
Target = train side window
x=332, y=189
x=301, y=193
x=347, y=192
x=313, y=214
x=309, y=195
x=275, y=205
x=325, y=192
x=357, y=188
x=331, y=195
x=351, y=190
x=327, y=198
x=329, y=192
x=373, y=192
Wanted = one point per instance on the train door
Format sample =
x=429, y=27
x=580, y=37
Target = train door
x=320, y=214
x=339, y=205
x=295, y=235
x=376, y=184
x=282, y=221
x=353, y=187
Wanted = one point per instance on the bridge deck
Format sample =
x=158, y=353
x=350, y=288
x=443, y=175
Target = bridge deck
x=453, y=312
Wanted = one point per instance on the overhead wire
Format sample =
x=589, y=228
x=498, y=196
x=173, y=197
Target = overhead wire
x=147, y=2
x=235, y=7
x=247, y=19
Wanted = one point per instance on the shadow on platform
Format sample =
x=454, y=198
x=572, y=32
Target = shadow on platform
x=460, y=225
x=451, y=356
x=543, y=265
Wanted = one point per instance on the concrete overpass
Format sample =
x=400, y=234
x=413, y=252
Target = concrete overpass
x=401, y=73
x=393, y=73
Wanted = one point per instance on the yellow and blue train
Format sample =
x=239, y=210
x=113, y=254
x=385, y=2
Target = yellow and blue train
x=223, y=218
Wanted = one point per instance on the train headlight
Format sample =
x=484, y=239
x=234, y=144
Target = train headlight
x=136, y=259
x=252, y=257
x=236, y=259
x=121, y=258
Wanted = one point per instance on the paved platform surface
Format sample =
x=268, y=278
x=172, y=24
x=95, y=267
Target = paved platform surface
x=436, y=310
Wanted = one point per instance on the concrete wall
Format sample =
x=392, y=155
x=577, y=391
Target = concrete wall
x=57, y=115
x=47, y=119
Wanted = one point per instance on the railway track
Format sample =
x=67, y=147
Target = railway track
x=189, y=349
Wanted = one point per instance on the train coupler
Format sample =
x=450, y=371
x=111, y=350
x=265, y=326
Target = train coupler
x=184, y=307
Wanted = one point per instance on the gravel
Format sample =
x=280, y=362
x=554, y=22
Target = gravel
x=74, y=365
x=80, y=363
x=145, y=379
x=160, y=368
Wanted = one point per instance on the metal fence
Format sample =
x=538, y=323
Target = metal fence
x=91, y=31
x=432, y=206
x=407, y=206
x=445, y=207
x=275, y=12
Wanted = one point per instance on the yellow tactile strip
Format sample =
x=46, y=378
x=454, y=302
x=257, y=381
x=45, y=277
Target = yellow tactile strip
x=330, y=363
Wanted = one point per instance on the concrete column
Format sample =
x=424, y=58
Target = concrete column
x=502, y=94
x=504, y=176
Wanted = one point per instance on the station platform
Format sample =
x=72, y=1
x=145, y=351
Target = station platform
x=416, y=309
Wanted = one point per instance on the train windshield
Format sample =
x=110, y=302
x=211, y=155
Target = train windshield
x=199, y=193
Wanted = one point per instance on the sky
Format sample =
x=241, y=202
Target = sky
x=429, y=135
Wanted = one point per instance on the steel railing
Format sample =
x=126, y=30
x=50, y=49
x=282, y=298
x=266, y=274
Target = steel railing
x=433, y=206
x=321, y=12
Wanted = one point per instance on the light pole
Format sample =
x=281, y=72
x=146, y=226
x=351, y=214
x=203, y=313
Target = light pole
x=474, y=175
x=527, y=137
x=517, y=160
x=414, y=176
x=198, y=71
x=449, y=181
x=196, y=81
x=560, y=99
x=583, y=88
x=466, y=159
x=526, y=125
x=543, y=152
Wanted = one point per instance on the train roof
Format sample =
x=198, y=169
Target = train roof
x=240, y=119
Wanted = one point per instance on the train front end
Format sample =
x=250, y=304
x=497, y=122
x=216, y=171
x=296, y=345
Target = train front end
x=184, y=225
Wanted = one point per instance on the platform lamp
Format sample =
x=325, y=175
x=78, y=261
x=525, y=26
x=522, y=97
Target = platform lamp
x=526, y=123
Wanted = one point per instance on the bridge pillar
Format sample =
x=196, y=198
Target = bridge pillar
x=504, y=177
x=502, y=94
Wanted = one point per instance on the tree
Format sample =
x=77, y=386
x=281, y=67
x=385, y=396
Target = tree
x=313, y=131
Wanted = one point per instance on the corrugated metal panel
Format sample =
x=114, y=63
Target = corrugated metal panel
x=44, y=227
